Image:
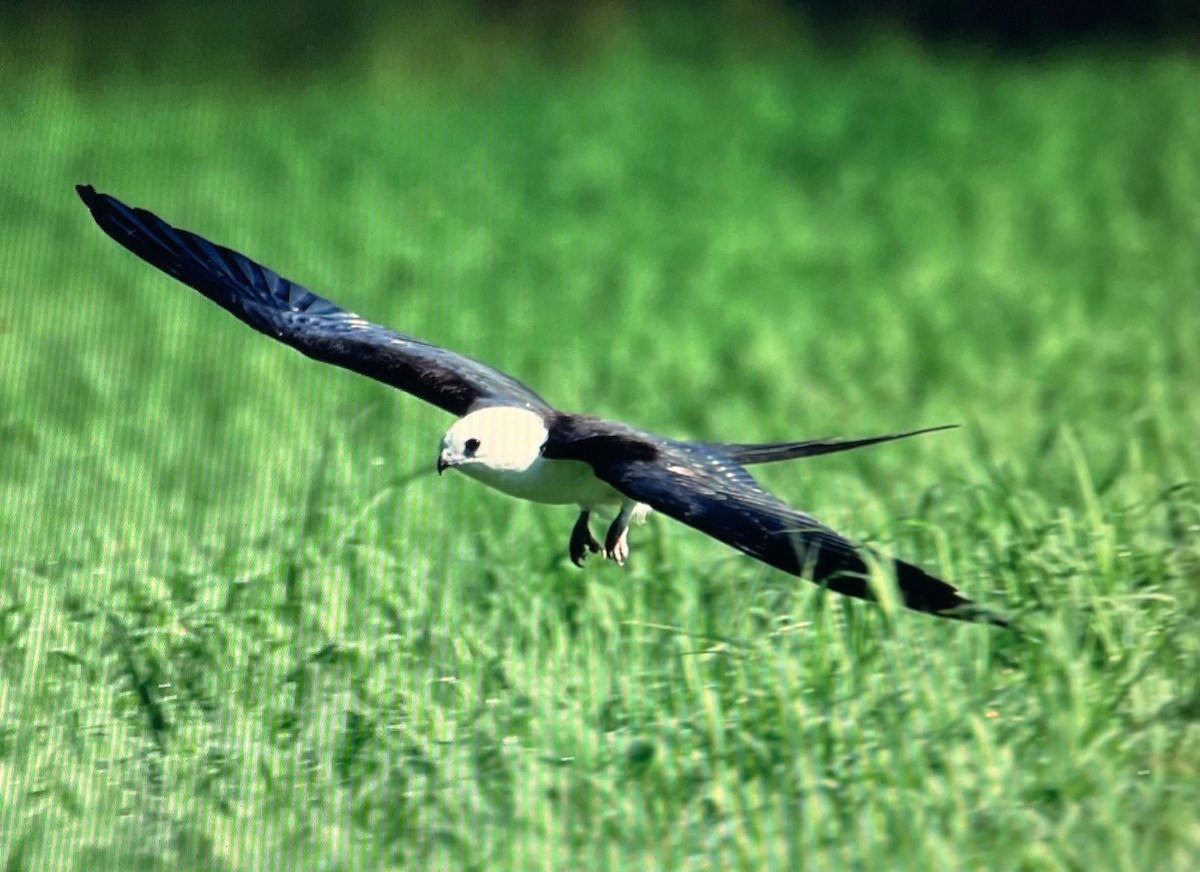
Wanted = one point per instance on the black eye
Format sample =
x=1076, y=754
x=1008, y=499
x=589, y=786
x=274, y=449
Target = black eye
x=470, y=447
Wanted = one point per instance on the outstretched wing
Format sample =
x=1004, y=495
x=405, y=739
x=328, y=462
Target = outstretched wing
x=772, y=452
x=707, y=490
x=297, y=317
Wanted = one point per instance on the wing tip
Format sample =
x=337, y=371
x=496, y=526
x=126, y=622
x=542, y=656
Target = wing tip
x=88, y=194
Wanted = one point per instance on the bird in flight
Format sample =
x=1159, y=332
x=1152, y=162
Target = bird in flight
x=509, y=438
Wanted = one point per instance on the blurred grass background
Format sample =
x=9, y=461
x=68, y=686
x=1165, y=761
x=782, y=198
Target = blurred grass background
x=241, y=626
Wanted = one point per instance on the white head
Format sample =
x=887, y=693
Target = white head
x=494, y=438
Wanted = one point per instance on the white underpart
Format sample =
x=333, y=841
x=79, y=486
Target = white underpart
x=509, y=459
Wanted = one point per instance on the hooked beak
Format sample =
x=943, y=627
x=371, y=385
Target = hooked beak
x=443, y=463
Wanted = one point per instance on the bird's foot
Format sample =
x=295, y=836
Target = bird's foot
x=616, y=543
x=582, y=541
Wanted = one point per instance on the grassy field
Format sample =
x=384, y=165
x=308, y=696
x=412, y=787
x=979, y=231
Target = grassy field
x=243, y=626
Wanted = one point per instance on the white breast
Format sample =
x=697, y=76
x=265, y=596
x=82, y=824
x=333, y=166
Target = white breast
x=555, y=482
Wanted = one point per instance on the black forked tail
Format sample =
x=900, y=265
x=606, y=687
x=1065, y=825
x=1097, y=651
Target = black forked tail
x=773, y=452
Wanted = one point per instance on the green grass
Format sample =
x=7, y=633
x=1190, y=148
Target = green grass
x=238, y=631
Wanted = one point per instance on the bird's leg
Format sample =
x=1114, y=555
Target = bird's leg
x=616, y=543
x=582, y=540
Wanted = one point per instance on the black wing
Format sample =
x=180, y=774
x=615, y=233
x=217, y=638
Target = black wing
x=772, y=452
x=710, y=492
x=297, y=317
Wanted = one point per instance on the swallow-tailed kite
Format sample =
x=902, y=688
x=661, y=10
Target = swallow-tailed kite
x=509, y=438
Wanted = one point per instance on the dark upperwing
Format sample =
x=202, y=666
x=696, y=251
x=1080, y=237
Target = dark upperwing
x=711, y=492
x=312, y=325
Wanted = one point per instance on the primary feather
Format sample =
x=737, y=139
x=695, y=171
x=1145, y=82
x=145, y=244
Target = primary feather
x=294, y=315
